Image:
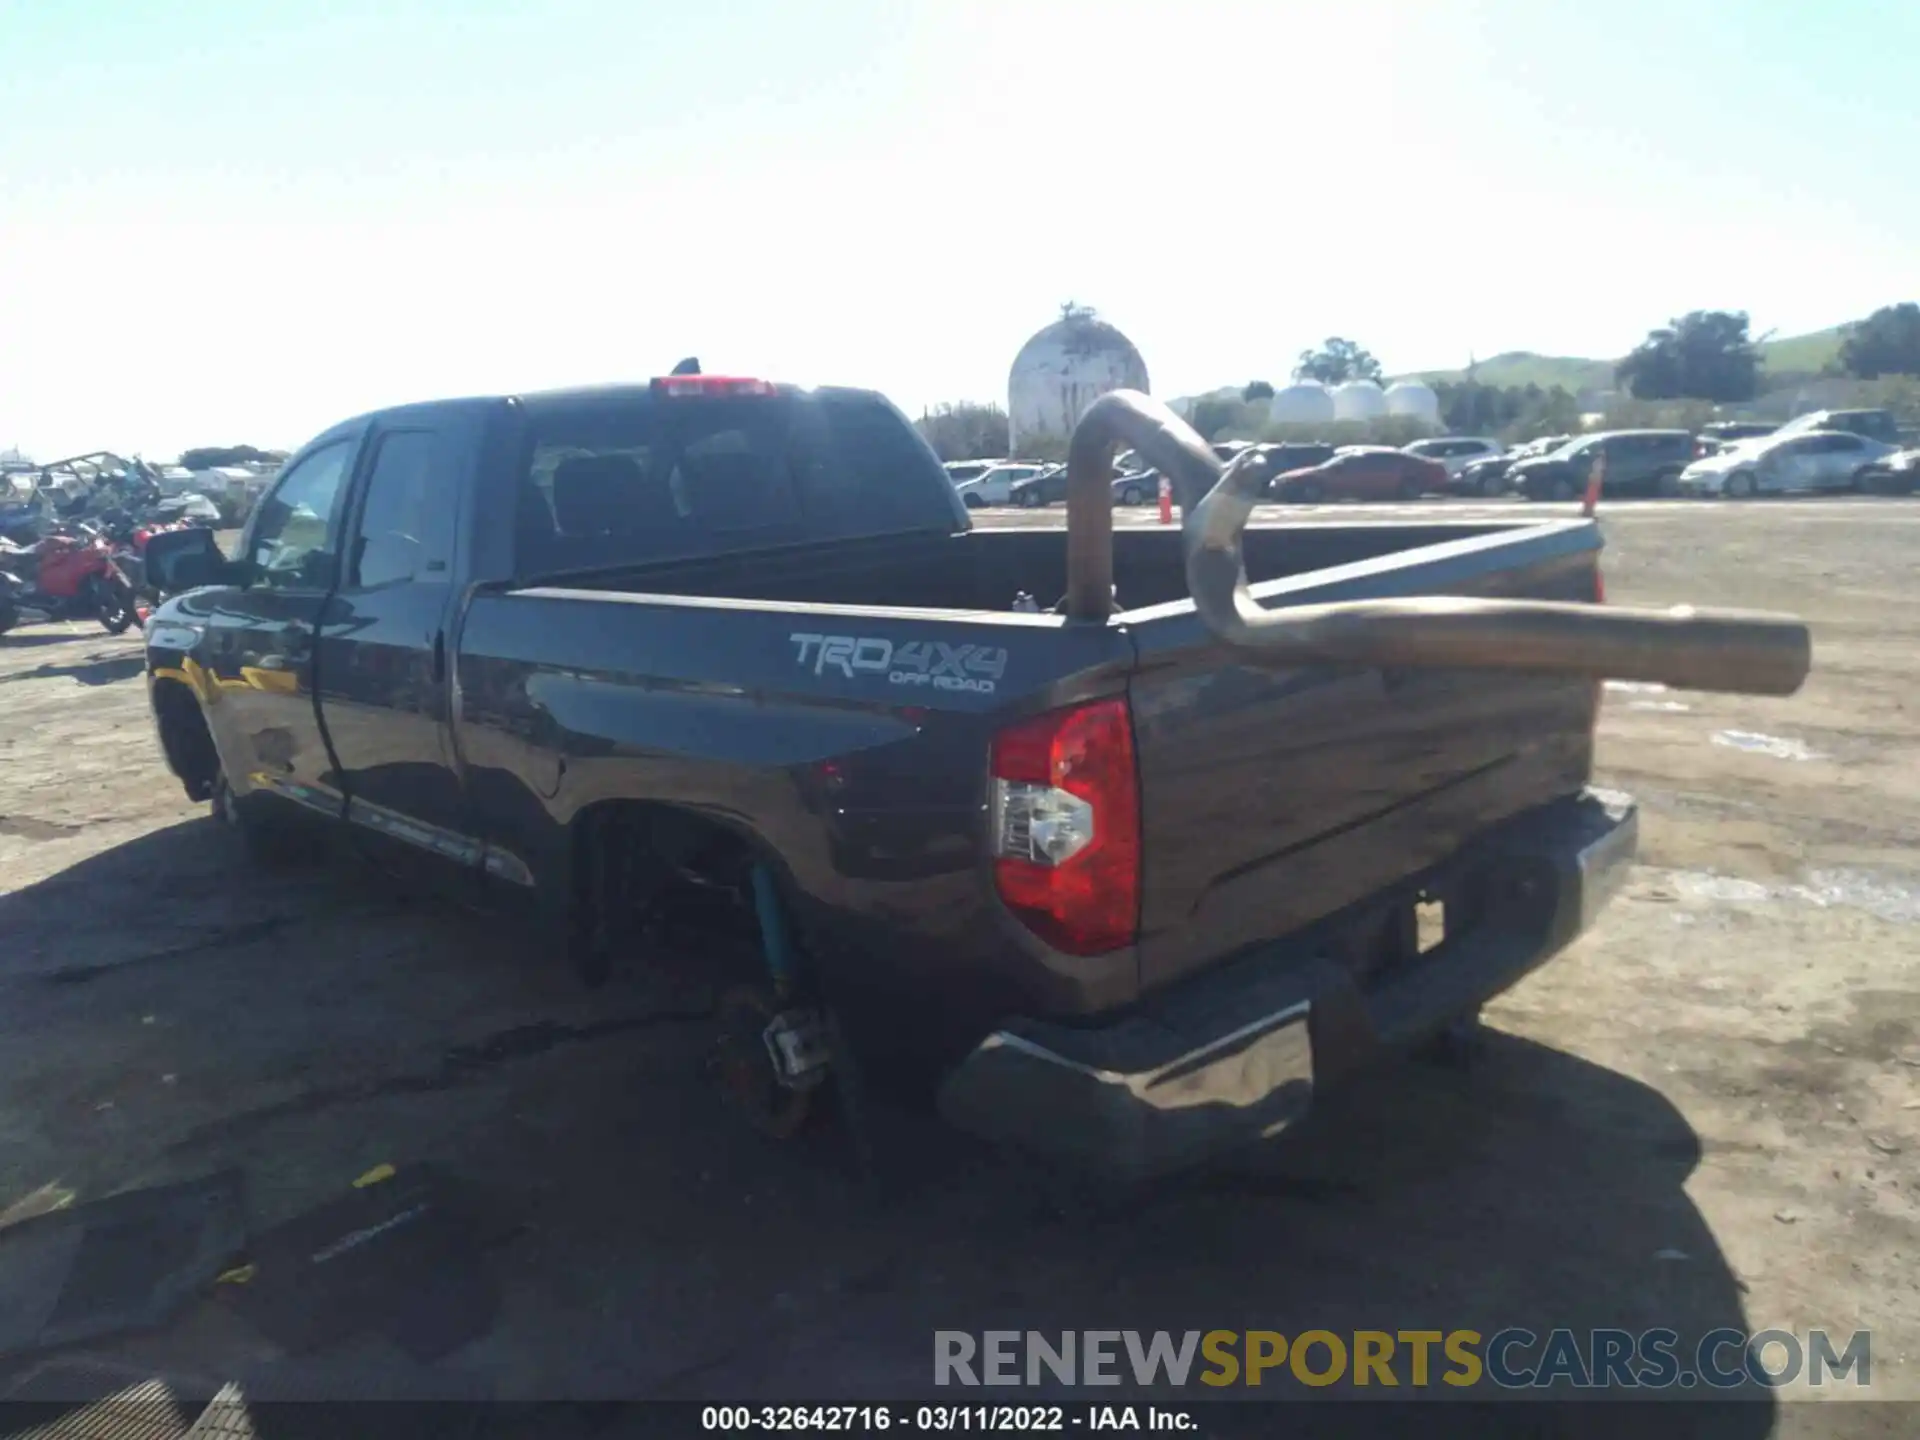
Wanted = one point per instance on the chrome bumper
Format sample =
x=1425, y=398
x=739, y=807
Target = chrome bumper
x=1239, y=1052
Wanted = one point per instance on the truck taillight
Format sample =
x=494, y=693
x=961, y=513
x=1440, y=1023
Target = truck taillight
x=1065, y=803
x=682, y=386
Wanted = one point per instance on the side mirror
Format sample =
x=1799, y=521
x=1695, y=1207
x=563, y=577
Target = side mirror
x=178, y=560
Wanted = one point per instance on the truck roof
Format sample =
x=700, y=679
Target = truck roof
x=537, y=402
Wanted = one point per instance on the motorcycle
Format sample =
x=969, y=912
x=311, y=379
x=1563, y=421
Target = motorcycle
x=73, y=577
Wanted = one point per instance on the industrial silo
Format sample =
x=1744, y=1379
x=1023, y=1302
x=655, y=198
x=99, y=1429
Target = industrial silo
x=1063, y=370
x=1413, y=400
x=1359, y=400
x=1305, y=402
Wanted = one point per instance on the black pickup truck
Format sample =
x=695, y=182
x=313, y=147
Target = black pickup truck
x=1130, y=874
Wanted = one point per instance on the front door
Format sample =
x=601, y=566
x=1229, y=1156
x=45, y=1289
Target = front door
x=259, y=645
x=383, y=659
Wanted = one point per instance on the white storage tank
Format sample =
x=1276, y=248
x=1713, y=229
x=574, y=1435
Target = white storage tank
x=1413, y=400
x=1305, y=402
x=1359, y=400
x=1064, y=369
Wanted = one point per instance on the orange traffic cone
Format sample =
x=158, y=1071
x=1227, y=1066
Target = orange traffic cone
x=1166, y=501
x=1596, y=477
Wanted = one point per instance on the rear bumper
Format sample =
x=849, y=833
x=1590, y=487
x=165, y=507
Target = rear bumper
x=1239, y=1052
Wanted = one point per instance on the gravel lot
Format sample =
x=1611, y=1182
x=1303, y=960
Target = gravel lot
x=1706, y=1114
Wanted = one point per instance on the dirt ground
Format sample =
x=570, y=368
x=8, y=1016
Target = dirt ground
x=1705, y=1114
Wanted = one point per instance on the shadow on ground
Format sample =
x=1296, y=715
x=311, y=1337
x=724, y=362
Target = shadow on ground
x=314, y=1026
x=32, y=639
x=101, y=670
x=166, y=895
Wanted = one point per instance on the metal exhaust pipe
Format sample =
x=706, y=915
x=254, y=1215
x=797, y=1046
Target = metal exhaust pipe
x=1735, y=651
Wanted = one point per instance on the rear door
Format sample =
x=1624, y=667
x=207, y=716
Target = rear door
x=1627, y=464
x=259, y=645
x=1012, y=478
x=1668, y=455
x=383, y=651
x=1838, y=459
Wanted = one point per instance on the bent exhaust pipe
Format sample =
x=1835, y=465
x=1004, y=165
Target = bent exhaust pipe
x=1735, y=651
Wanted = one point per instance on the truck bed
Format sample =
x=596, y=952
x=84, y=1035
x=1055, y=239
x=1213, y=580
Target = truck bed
x=1271, y=797
x=983, y=570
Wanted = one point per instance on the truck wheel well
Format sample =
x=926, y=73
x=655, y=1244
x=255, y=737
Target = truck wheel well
x=643, y=871
x=185, y=738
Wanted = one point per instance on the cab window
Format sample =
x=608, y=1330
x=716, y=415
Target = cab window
x=292, y=545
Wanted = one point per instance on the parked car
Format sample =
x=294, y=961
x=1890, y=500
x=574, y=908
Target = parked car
x=1489, y=476
x=1896, y=474
x=1727, y=431
x=1456, y=452
x=1874, y=424
x=959, y=471
x=24, y=510
x=1042, y=489
x=1142, y=487
x=1639, y=462
x=1362, y=472
x=995, y=485
x=1286, y=456
x=591, y=654
x=1787, y=462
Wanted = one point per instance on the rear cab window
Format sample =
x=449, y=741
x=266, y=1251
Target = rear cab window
x=632, y=477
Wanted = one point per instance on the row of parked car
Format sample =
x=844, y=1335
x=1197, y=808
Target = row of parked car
x=1823, y=451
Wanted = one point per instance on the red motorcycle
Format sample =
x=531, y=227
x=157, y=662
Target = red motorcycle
x=73, y=577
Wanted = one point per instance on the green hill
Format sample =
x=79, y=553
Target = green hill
x=1791, y=354
x=1802, y=354
x=1523, y=367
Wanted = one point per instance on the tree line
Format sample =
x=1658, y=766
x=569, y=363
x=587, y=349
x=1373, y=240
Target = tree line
x=208, y=457
x=1711, y=355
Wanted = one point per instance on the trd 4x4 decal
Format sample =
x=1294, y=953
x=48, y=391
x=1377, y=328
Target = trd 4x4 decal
x=918, y=662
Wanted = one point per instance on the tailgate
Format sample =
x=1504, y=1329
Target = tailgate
x=1273, y=797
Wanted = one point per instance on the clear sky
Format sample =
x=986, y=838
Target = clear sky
x=227, y=222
